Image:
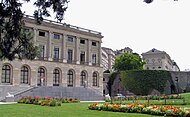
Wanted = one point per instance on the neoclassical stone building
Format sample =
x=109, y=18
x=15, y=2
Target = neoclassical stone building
x=159, y=60
x=70, y=57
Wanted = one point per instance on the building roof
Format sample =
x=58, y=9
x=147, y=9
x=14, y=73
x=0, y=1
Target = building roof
x=154, y=51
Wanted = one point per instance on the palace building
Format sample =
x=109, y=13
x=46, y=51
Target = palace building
x=70, y=57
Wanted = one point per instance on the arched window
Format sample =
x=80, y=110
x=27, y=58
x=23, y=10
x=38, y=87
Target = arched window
x=6, y=74
x=56, y=77
x=41, y=76
x=94, y=79
x=24, y=75
x=82, y=78
x=70, y=78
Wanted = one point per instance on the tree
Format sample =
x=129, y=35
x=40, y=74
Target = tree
x=128, y=62
x=14, y=41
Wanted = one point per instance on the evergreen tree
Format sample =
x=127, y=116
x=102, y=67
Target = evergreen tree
x=14, y=41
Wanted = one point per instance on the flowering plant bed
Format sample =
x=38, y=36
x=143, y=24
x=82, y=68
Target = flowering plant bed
x=142, y=108
x=45, y=101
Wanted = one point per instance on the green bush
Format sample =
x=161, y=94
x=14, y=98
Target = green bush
x=142, y=82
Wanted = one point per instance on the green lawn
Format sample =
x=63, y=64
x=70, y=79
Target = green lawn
x=66, y=110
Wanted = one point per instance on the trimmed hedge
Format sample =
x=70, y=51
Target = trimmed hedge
x=142, y=82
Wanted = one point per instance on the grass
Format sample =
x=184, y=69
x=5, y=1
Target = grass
x=66, y=110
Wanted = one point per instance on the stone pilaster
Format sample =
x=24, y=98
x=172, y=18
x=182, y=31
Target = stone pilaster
x=16, y=76
x=49, y=78
x=89, y=55
x=64, y=79
x=33, y=81
x=64, y=49
x=49, y=46
x=77, y=51
x=35, y=35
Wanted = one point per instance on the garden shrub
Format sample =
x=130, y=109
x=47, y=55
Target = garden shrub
x=142, y=82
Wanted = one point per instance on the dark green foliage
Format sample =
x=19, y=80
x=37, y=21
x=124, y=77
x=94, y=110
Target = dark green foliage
x=142, y=82
x=59, y=7
x=14, y=42
x=128, y=62
x=112, y=77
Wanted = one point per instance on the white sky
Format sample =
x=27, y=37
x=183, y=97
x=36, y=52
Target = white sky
x=163, y=24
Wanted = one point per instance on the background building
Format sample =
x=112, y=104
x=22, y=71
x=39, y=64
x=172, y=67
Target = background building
x=159, y=60
x=70, y=57
x=108, y=58
x=122, y=51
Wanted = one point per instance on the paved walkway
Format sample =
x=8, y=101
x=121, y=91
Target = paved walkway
x=8, y=102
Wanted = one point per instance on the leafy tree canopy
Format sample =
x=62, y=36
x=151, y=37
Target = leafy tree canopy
x=128, y=62
x=14, y=41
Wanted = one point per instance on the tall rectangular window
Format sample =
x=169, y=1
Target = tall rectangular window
x=93, y=58
x=82, y=57
x=56, y=53
x=42, y=51
x=70, y=55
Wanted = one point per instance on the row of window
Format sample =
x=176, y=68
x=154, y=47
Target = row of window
x=56, y=53
x=69, y=38
x=41, y=80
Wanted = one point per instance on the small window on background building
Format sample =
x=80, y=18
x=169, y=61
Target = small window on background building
x=56, y=36
x=41, y=33
x=94, y=43
x=82, y=41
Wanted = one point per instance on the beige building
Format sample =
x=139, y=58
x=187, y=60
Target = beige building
x=108, y=58
x=70, y=57
x=159, y=60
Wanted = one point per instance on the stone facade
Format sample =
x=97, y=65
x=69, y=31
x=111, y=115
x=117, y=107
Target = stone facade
x=159, y=60
x=70, y=57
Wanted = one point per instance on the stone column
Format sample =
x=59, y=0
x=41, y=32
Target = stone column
x=64, y=48
x=49, y=46
x=35, y=35
x=89, y=56
x=77, y=51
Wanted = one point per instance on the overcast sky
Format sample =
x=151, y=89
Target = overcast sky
x=163, y=24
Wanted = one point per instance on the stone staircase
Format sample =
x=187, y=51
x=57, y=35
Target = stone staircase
x=81, y=93
x=13, y=90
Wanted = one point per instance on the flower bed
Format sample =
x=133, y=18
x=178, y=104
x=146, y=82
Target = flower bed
x=142, y=108
x=45, y=101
